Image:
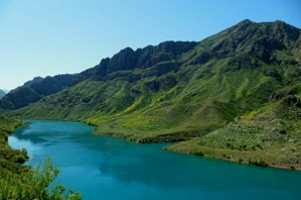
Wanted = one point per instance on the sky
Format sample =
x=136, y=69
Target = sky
x=42, y=38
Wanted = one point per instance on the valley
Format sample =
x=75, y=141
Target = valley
x=233, y=96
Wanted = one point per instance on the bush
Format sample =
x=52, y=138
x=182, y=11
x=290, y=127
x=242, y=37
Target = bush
x=258, y=162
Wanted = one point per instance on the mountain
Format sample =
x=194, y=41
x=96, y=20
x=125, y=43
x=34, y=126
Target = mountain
x=2, y=93
x=232, y=88
x=34, y=90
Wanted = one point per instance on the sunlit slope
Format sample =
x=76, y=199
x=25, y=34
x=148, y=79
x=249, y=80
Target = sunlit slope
x=270, y=135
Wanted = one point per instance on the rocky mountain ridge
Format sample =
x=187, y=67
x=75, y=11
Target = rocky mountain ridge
x=34, y=90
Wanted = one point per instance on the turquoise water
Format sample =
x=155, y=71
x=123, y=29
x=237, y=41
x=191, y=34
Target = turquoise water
x=110, y=168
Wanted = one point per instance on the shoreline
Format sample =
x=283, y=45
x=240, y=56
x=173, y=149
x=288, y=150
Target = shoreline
x=167, y=139
x=170, y=138
x=255, y=160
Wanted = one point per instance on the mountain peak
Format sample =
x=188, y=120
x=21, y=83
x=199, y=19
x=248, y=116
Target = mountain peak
x=245, y=21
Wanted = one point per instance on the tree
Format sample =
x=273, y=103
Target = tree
x=34, y=184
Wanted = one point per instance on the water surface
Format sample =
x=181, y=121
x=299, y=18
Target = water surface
x=110, y=168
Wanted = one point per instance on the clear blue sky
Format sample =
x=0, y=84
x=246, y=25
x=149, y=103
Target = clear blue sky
x=40, y=38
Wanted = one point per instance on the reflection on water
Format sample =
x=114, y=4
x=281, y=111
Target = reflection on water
x=110, y=168
x=23, y=144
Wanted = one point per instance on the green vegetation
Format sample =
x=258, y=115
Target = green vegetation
x=222, y=96
x=18, y=181
x=33, y=184
x=269, y=136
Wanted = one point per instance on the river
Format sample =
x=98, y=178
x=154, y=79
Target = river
x=109, y=168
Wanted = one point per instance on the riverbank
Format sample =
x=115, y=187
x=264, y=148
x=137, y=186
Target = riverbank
x=264, y=158
x=20, y=181
x=10, y=159
x=266, y=143
x=275, y=156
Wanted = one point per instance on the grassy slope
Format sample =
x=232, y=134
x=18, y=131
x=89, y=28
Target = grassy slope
x=270, y=135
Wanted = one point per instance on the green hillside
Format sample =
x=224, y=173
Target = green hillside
x=268, y=136
x=177, y=91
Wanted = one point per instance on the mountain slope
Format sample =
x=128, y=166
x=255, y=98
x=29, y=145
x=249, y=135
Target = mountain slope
x=33, y=91
x=180, y=90
x=268, y=136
